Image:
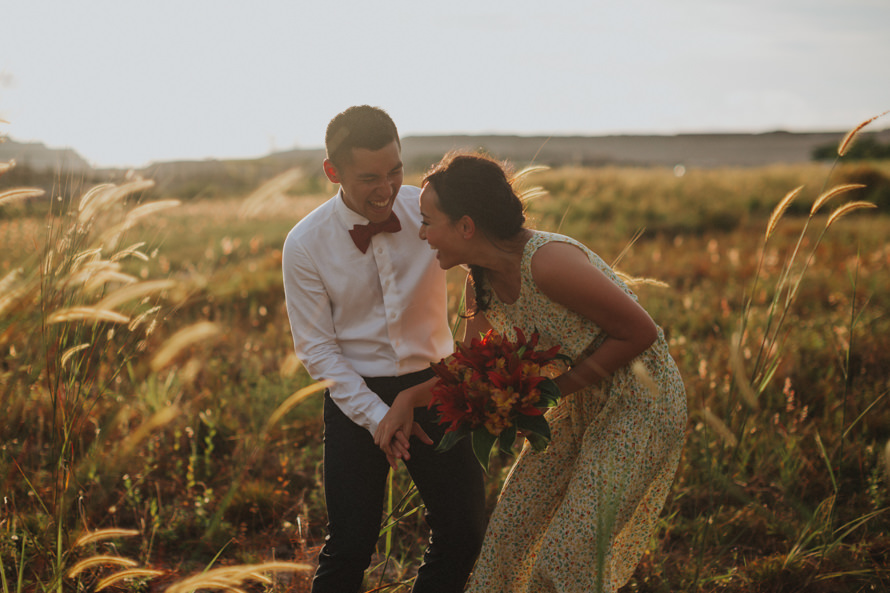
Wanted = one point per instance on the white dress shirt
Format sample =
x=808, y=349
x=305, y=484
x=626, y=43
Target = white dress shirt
x=375, y=314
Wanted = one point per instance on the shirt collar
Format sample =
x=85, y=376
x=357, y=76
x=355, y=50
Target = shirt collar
x=348, y=217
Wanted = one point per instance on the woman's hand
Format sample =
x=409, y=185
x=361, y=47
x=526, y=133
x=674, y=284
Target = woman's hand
x=395, y=429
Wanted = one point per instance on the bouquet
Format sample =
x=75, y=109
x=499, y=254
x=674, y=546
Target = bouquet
x=493, y=389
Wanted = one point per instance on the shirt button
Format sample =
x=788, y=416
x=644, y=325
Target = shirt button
x=380, y=250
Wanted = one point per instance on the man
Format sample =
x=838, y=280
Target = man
x=367, y=307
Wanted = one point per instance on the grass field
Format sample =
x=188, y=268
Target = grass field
x=149, y=384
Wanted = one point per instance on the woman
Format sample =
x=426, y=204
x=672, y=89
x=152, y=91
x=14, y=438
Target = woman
x=578, y=515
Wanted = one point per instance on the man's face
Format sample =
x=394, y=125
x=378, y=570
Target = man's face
x=370, y=182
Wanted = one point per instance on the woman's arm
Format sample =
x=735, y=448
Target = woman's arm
x=565, y=275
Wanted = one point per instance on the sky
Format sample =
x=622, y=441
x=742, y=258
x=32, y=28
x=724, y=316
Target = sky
x=128, y=83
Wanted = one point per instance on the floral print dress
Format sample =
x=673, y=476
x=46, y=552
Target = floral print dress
x=577, y=516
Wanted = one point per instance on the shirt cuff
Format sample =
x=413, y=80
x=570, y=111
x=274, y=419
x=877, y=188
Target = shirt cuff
x=376, y=415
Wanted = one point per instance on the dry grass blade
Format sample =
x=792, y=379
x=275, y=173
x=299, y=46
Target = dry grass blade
x=198, y=332
x=103, y=534
x=846, y=209
x=820, y=201
x=19, y=194
x=627, y=247
x=134, y=291
x=229, y=577
x=780, y=210
x=127, y=574
x=99, y=561
x=848, y=139
x=86, y=314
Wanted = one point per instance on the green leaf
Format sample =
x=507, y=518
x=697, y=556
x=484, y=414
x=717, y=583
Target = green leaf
x=550, y=393
x=538, y=442
x=483, y=441
x=449, y=439
x=537, y=431
x=507, y=438
x=535, y=424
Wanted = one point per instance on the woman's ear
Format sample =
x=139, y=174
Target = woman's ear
x=466, y=226
x=331, y=171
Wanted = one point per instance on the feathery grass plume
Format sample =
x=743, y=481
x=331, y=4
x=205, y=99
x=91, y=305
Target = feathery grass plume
x=295, y=399
x=269, y=192
x=103, y=534
x=846, y=209
x=203, y=330
x=134, y=291
x=148, y=209
x=86, y=314
x=848, y=139
x=780, y=210
x=230, y=577
x=100, y=560
x=10, y=291
x=106, y=277
x=19, y=194
x=531, y=193
x=4, y=167
x=831, y=193
x=137, y=321
x=640, y=280
x=131, y=250
x=639, y=369
x=66, y=356
x=719, y=427
x=157, y=420
x=111, y=236
x=886, y=461
x=128, y=574
x=105, y=195
x=741, y=376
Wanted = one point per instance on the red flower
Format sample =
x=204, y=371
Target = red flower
x=493, y=388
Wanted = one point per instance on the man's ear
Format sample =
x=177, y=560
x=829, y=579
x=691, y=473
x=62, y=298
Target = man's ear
x=466, y=226
x=331, y=171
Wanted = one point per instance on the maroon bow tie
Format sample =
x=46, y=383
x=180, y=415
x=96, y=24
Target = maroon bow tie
x=361, y=233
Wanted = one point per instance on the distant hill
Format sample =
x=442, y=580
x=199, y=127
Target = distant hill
x=38, y=165
x=690, y=150
x=42, y=159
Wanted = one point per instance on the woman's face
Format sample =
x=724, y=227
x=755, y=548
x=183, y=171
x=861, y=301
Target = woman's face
x=439, y=231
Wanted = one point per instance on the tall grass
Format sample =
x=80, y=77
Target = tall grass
x=147, y=366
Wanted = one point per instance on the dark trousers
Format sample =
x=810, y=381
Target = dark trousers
x=355, y=469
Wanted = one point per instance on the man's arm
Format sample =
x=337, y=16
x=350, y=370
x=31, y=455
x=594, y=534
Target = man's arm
x=315, y=341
